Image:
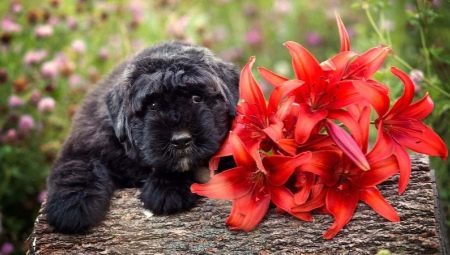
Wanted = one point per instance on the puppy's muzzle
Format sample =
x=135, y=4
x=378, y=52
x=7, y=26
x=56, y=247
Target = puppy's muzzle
x=181, y=139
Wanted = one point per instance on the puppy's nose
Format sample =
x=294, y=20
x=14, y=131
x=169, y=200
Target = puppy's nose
x=181, y=139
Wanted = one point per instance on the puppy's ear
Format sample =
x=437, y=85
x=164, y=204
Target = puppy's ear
x=229, y=74
x=117, y=109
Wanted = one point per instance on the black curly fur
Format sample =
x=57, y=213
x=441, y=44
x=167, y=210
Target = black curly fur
x=121, y=135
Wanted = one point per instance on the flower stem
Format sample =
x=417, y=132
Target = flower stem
x=423, y=41
x=374, y=25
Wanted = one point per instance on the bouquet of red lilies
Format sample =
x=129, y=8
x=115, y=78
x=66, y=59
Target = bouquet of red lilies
x=307, y=148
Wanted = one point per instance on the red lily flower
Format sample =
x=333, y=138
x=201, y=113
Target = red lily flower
x=353, y=184
x=338, y=82
x=403, y=128
x=339, y=187
x=253, y=184
x=257, y=122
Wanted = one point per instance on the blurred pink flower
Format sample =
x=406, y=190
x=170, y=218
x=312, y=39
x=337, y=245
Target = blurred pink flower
x=103, y=54
x=9, y=26
x=7, y=248
x=50, y=69
x=436, y=3
x=137, y=8
x=254, y=36
x=54, y=21
x=79, y=46
x=26, y=123
x=34, y=57
x=35, y=97
x=15, y=101
x=71, y=23
x=75, y=81
x=282, y=6
x=313, y=39
x=177, y=27
x=16, y=7
x=42, y=196
x=43, y=31
x=46, y=104
x=10, y=136
x=417, y=77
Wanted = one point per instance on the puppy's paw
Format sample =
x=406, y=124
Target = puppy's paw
x=164, y=197
x=79, y=196
x=75, y=213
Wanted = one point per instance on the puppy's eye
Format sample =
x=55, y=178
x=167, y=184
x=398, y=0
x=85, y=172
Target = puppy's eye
x=154, y=106
x=197, y=99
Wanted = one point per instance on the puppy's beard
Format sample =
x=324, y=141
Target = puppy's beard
x=184, y=164
x=184, y=157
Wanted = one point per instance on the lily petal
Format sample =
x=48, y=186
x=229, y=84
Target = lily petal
x=288, y=145
x=364, y=124
x=343, y=94
x=341, y=204
x=306, y=122
x=249, y=90
x=225, y=150
x=284, y=199
x=229, y=184
x=282, y=167
x=343, y=35
x=306, y=66
x=408, y=94
x=379, y=172
x=285, y=109
x=336, y=66
x=304, y=182
x=384, y=145
x=427, y=142
x=353, y=126
x=275, y=130
x=312, y=204
x=319, y=142
x=321, y=163
x=420, y=109
x=365, y=65
x=374, y=93
x=404, y=164
x=272, y=78
x=247, y=212
x=373, y=198
x=348, y=145
x=279, y=92
x=240, y=154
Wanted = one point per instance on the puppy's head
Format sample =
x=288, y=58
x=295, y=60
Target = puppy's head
x=174, y=106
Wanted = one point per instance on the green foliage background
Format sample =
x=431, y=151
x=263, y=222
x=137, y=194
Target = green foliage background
x=110, y=31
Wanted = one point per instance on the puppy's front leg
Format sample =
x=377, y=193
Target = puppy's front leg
x=79, y=194
x=168, y=193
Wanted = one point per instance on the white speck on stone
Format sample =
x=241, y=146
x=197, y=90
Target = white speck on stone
x=34, y=243
x=148, y=214
x=179, y=231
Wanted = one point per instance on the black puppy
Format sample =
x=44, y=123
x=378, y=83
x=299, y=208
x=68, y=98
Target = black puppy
x=153, y=122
